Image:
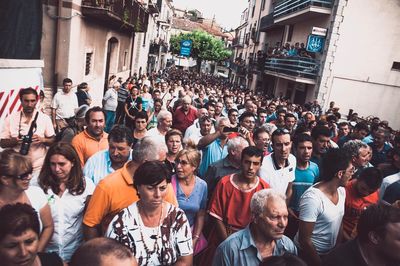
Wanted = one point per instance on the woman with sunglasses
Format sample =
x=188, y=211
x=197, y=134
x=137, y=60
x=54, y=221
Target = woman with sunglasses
x=68, y=194
x=157, y=232
x=15, y=175
x=191, y=193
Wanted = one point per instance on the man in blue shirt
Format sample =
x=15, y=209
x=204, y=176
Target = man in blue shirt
x=264, y=235
x=306, y=174
x=105, y=162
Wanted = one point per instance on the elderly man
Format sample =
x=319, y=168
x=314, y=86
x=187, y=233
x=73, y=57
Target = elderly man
x=110, y=103
x=184, y=115
x=264, y=235
x=360, y=154
x=195, y=128
x=229, y=165
x=206, y=126
x=93, y=138
x=164, y=123
x=108, y=161
x=116, y=190
x=16, y=127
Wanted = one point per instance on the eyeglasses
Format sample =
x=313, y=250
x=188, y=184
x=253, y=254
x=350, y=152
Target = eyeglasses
x=23, y=176
x=182, y=162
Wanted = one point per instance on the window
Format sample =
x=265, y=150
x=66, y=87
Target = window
x=88, y=65
x=262, y=4
x=290, y=33
x=396, y=66
x=125, y=57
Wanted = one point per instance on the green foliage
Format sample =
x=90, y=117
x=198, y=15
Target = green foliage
x=204, y=46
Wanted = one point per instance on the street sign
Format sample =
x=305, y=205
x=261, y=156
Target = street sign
x=315, y=43
x=319, y=31
x=186, y=47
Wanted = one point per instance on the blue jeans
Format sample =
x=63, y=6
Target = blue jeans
x=110, y=119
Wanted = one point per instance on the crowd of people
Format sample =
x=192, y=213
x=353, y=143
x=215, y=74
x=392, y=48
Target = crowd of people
x=181, y=168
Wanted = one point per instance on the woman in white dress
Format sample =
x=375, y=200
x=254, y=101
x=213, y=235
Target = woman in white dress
x=157, y=232
x=68, y=193
x=15, y=175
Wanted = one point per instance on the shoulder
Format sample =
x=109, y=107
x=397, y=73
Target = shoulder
x=287, y=245
x=200, y=182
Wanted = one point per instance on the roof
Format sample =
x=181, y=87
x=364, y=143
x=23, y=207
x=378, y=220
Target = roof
x=188, y=25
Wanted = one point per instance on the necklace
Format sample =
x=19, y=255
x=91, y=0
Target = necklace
x=156, y=247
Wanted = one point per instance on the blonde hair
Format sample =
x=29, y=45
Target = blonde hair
x=192, y=155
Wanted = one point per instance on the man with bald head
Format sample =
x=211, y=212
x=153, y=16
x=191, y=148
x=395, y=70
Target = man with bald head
x=184, y=115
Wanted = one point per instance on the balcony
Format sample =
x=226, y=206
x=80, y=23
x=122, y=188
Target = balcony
x=238, y=68
x=154, y=49
x=267, y=23
x=126, y=15
x=293, y=11
x=153, y=7
x=299, y=69
x=238, y=42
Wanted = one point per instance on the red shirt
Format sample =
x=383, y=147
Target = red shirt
x=182, y=121
x=354, y=206
x=232, y=205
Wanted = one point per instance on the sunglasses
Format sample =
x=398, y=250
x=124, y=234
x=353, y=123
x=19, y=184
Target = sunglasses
x=23, y=176
x=182, y=162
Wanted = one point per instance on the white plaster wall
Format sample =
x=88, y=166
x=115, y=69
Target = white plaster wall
x=302, y=29
x=367, y=46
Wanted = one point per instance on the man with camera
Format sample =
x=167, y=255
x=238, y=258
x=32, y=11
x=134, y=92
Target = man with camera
x=28, y=131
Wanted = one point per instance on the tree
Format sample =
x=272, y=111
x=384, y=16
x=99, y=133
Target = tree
x=204, y=47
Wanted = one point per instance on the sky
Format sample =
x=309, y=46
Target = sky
x=227, y=12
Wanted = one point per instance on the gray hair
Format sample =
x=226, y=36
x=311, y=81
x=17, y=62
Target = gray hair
x=148, y=149
x=237, y=143
x=353, y=147
x=163, y=114
x=260, y=198
x=222, y=119
x=270, y=128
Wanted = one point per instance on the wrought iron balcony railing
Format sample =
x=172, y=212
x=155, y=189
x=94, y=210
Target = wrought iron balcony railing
x=294, y=66
x=124, y=14
x=287, y=7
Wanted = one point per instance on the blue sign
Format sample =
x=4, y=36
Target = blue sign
x=315, y=43
x=186, y=47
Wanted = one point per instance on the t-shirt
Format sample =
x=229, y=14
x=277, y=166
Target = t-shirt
x=303, y=180
x=354, y=206
x=316, y=207
x=277, y=178
x=387, y=181
x=64, y=104
x=197, y=200
x=231, y=205
x=110, y=100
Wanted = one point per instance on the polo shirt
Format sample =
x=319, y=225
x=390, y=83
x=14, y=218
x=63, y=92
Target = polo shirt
x=212, y=153
x=240, y=249
x=278, y=178
x=98, y=166
x=182, y=121
x=86, y=145
x=114, y=193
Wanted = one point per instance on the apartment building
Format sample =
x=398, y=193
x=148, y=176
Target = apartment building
x=350, y=47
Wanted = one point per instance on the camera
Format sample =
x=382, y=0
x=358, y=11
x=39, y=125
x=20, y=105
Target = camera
x=26, y=144
x=230, y=129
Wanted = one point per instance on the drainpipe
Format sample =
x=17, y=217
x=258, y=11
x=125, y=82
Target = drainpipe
x=57, y=50
x=132, y=48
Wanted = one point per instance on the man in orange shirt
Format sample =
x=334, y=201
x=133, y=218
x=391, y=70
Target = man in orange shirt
x=116, y=191
x=93, y=138
x=360, y=193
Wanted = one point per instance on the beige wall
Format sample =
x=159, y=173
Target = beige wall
x=361, y=77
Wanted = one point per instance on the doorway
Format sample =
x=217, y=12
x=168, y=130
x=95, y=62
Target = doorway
x=111, y=60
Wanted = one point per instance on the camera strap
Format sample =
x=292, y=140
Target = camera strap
x=33, y=124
